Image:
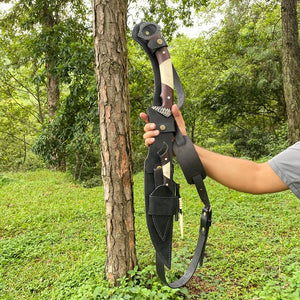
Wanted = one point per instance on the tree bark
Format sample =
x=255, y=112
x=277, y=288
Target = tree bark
x=50, y=19
x=52, y=94
x=291, y=67
x=110, y=18
x=38, y=99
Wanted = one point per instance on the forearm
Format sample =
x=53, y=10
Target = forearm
x=240, y=174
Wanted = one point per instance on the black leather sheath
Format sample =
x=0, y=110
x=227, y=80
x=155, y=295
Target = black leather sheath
x=161, y=192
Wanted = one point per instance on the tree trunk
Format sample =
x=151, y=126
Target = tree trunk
x=113, y=98
x=38, y=98
x=52, y=94
x=50, y=19
x=291, y=67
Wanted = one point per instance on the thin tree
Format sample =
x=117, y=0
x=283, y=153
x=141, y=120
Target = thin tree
x=49, y=19
x=291, y=66
x=113, y=97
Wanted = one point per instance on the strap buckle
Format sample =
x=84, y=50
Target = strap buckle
x=205, y=219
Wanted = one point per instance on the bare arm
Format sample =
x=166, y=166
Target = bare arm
x=239, y=174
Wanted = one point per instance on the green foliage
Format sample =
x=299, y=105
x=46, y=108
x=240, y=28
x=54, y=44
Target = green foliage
x=170, y=14
x=141, y=96
x=255, y=142
x=21, y=97
x=55, y=39
x=74, y=135
x=50, y=236
x=18, y=128
x=286, y=286
x=72, y=139
x=231, y=78
x=52, y=243
x=140, y=284
x=5, y=180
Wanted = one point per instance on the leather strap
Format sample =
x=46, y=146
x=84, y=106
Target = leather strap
x=187, y=158
x=197, y=258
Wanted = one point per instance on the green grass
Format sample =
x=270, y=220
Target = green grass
x=52, y=243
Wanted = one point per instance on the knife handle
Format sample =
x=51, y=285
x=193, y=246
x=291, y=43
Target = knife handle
x=166, y=76
x=150, y=32
x=166, y=164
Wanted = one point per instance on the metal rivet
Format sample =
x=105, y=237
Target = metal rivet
x=147, y=32
x=203, y=229
x=204, y=214
x=162, y=127
x=159, y=41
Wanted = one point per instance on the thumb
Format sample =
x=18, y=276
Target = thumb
x=179, y=119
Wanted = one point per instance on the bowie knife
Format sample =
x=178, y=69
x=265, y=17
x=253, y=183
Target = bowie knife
x=162, y=198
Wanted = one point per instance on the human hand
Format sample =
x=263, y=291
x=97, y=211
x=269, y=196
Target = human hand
x=151, y=132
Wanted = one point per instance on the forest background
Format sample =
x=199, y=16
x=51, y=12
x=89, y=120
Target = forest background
x=49, y=119
x=232, y=77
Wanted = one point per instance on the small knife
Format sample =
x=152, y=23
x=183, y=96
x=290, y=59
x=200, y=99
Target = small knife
x=164, y=155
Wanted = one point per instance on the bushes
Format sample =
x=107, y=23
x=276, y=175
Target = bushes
x=139, y=285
